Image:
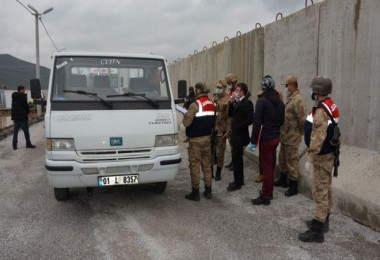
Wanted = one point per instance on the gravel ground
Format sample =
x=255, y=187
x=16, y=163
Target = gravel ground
x=135, y=223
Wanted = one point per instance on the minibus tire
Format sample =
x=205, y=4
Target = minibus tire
x=160, y=187
x=61, y=194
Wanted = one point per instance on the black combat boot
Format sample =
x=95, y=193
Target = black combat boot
x=207, y=192
x=293, y=188
x=194, y=195
x=282, y=181
x=326, y=225
x=314, y=234
x=218, y=174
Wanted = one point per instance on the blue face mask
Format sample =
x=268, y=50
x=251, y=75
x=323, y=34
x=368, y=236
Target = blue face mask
x=237, y=97
x=218, y=91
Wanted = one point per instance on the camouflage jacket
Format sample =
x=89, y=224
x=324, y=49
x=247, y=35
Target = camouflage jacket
x=318, y=133
x=223, y=121
x=295, y=117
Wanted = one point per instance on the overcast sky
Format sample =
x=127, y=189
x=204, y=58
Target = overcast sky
x=172, y=28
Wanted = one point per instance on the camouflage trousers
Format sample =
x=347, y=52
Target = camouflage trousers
x=220, y=143
x=322, y=178
x=289, y=161
x=200, y=157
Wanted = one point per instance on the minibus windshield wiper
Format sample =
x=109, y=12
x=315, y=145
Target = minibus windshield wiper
x=131, y=94
x=93, y=95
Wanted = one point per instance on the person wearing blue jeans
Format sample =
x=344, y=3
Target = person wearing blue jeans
x=20, y=111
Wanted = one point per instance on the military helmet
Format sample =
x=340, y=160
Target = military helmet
x=202, y=86
x=321, y=86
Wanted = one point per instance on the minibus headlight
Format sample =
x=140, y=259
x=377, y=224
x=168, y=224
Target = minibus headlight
x=166, y=140
x=64, y=144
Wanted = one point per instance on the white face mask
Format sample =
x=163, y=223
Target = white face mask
x=287, y=92
x=237, y=97
x=229, y=87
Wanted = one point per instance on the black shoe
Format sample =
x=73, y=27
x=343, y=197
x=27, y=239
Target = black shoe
x=293, y=188
x=282, y=181
x=30, y=146
x=207, y=192
x=314, y=234
x=194, y=195
x=271, y=195
x=218, y=174
x=261, y=200
x=326, y=225
x=228, y=165
x=233, y=186
x=14, y=147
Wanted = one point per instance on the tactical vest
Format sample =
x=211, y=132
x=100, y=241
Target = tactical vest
x=204, y=119
x=332, y=108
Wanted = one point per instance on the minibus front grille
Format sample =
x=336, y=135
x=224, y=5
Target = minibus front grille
x=114, y=155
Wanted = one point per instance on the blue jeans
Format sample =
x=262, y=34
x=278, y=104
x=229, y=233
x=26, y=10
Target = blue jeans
x=25, y=127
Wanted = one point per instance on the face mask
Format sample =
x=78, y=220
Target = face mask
x=287, y=92
x=229, y=87
x=237, y=97
x=218, y=91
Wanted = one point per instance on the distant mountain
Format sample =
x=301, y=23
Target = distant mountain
x=15, y=72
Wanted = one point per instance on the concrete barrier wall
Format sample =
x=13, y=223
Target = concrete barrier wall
x=338, y=39
x=243, y=55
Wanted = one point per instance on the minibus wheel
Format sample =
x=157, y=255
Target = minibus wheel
x=61, y=193
x=160, y=187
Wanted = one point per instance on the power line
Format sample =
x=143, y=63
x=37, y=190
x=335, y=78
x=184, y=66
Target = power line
x=24, y=7
x=48, y=34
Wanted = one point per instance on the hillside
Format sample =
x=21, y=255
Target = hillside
x=14, y=72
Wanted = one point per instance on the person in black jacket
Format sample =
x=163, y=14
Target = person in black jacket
x=20, y=111
x=241, y=112
x=267, y=122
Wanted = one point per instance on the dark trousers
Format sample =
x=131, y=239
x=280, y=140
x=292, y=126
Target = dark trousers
x=24, y=125
x=237, y=158
x=267, y=155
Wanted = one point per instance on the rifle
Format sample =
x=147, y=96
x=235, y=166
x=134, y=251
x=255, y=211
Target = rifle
x=213, y=139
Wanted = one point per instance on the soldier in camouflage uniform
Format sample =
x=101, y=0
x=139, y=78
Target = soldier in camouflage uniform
x=222, y=125
x=199, y=121
x=319, y=132
x=290, y=138
x=231, y=80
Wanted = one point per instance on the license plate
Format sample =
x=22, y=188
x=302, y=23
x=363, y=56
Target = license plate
x=118, y=180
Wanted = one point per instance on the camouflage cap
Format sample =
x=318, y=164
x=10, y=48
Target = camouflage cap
x=222, y=83
x=321, y=86
x=231, y=77
x=290, y=79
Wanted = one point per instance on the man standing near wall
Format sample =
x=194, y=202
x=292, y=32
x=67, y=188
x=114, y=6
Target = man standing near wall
x=242, y=116
x=290, y=138
x=231, y=80
x=319, y=132
x=199, y=121
x=268, y=119
x=222, y=125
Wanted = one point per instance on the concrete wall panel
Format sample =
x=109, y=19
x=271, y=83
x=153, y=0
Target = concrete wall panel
x=291, y=47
